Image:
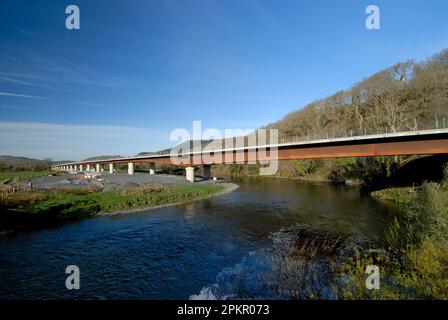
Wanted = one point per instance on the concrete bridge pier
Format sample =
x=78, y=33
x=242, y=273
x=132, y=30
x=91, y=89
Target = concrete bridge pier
x=207, y=171
x=152, y=168
x=88, y=168
x=189, y=172
x=131, y=168
x=98, y=167
x=111, y=168
x=71, y=168
x=76, y=167
x=80, y=167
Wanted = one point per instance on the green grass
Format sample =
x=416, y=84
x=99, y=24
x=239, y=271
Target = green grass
x=401, y=195
x=415, y=261
x=22, y=175
x=69, y=204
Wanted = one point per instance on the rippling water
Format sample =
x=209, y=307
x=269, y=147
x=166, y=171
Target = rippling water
x=175, y=252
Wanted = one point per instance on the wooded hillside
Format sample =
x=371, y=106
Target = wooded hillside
x=406, y=96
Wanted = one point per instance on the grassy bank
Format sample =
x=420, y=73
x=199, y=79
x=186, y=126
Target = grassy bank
x=74, y=204
x=402, y=195
x=22, y=175
x=412, y=254
x=414, y=263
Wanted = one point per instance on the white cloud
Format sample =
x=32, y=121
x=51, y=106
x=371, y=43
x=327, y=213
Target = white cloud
x=76, y=142
x=19, y=95
x=93, y=104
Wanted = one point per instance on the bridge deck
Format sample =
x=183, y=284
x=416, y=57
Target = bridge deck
x=402, y=143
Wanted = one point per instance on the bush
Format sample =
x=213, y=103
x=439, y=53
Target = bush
x=425, y=219
x=375, y=171
x=304, y=167
x=416, y=264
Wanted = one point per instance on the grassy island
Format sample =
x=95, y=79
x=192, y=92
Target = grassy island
x=58, y=204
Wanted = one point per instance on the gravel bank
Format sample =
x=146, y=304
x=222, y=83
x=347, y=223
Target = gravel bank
x=108, y=181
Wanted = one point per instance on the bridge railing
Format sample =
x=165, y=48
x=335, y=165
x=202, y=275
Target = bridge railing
x=333, y=134
x=310, y=137
x=359, y=132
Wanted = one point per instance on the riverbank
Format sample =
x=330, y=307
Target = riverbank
x=225, y=188
x=55, y=199
x=11, y=175
x=414, y=261
x=402, y=195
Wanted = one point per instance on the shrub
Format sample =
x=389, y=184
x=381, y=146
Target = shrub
x=416, y=266
x=304, y=167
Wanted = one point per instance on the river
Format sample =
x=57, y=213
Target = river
x=175, y=252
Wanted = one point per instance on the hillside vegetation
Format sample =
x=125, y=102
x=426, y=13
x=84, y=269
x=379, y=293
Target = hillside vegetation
x=406, y=96
x=10, y=163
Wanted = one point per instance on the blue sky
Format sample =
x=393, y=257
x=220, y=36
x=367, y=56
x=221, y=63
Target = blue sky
x=136, y=70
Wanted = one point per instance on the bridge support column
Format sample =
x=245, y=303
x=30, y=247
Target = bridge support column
x=207, y=171
x=131, y=168
x=97, y=167
x=71, y=168
x=189, y=172
x=152, y=168
x=88, y=168
x=111, y=168
x=76, y=167
x=80, y=167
